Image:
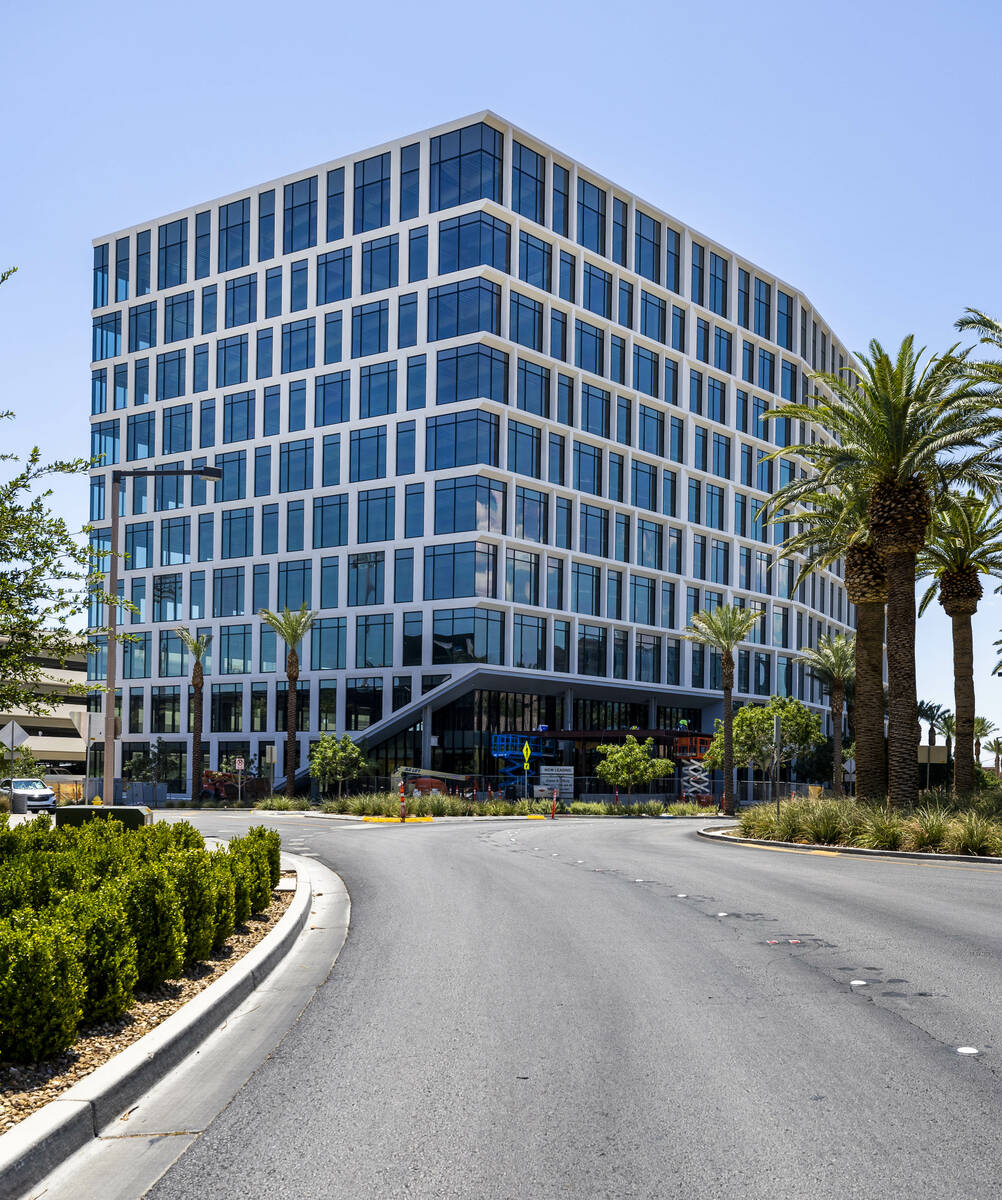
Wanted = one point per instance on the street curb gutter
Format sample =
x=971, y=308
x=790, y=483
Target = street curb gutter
x=43, y=1140
x=723, y=835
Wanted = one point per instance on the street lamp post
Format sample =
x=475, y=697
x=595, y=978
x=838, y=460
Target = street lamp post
x=117, y=476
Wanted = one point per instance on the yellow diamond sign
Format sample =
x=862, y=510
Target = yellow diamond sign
x=526, y=752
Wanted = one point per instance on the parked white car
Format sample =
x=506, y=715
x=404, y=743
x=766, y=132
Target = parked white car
x=33, y=794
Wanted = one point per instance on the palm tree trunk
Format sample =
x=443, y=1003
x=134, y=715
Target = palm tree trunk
x=727, y=681
x=291, y=745
x=963, y=693
x=902, y=724
x=928, y=761
x=871, y=768
x=196, y=740
x=837, y=704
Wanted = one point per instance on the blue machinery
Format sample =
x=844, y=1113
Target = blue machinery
x=517, y=752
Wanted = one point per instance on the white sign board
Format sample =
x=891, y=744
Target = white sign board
x=12, y=736
x=240, y=764
x=561, y=778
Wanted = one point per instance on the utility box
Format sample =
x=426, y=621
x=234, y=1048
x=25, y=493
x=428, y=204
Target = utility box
x=132, y=816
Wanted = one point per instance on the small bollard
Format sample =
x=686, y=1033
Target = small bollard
x=553, y=814
x=403, y=803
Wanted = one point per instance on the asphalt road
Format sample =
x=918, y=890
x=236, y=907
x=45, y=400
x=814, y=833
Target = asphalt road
x=621, y=1009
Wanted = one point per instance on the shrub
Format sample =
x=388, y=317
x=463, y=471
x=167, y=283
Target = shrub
x=255, y=856
x=653, y=808
x=194, y=878
x=757, y=822
x=789, y=825
x=971, y=833
x=823, y=822
x=36, y=879
x=156, y=919
x=241, y=873
x=42, y=988
x=928, y=828
x=283, y=804
x=106, y=949
x=225, y=914
x=881, y=831
x=184, y=835
x=584, y=808
x=273, y=844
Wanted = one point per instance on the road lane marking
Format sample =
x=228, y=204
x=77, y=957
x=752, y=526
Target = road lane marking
x=901, y=862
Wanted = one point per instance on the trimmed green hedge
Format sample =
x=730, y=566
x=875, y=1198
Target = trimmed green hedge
x=89, y=913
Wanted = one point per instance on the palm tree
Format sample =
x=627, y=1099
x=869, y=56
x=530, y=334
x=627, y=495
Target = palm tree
x=902, y=430
x=965, y=542
x=995, y=747
x=983, y=728
x=197, y=647
x=722, y=630
x=834, y=527
x=947, y=726
x=291, y=627
x=833, y=661
x=930, y=713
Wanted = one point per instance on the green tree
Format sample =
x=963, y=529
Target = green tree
x=631, y=764
x=994, y=747
x=965, y=543
x=291, y=627
x=835, y=527
x=946, y=724
x=833, y=662
x=26, y=764
x=754, y=735
x=332, y=759
x=902, y=430
x=723, y=629
x=983, y=728
x=197, y=646
x=930, y=712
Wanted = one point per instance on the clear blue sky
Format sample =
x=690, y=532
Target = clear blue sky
x=851, y=147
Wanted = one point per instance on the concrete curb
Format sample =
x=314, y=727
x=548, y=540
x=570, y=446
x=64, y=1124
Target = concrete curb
x=33, y=1148
x=723, y=835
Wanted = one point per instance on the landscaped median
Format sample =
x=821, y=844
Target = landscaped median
x=387, y=805
x=119, y=952
x=934, y=828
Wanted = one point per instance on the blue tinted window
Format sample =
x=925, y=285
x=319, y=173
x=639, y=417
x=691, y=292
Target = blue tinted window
x=99, y=391
x=468, y=372
x=561, y=199
x=107, y=340
x=143, y=263
x=647, y=247
x=142, y=326
x=272, y=410
x=141, y=381
x=645, y=371
x=176, y=430
x=718, y=284
x=525, y=449
x=179, y=316
x=405, y=463
x=298, y=297
x=372, y=193
x=139, y=438
x=273, y=292
x=335, y=204
x=295, y=466
x=233, y=485
x=298, y=345
x=410, y=164
x=207, y=424
x=265, y=226
x=295, y=584
x=526, y=322
x=417, y=254
x=170, y=375
x=597, y=291
x=465, y=165
x=567, y=276
x=378, y=390
x=653, y=316
x=334, y=276
x=461, y=439
x=407, y=321
x=238, y=417
x=172, y=253
x=175, y=541
x=460, y=308
x=414, y=510
x=234, y=235
x=558, y=334
x=331, y=398
x=121, y=269
x=330, y=524
x=379, y=264
x=471, y=241
x=416, y=381
x=591, y=216
x=370, y=328
x=297, y=405
x=595, y=405
x=619, y=217
x=300, y=224
x=331, y=464
x=375, y=515
x=262, y=471
x=528, y=183
x=269, y=529
x=367, y=454
x=203, y=243
x=333, y=337
x=100, y=276
x=589, y=348
x=200, y=368
x=535, y=261
x=294, y=525
x=209, y=309
x=265, y=354
x=231, y=360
